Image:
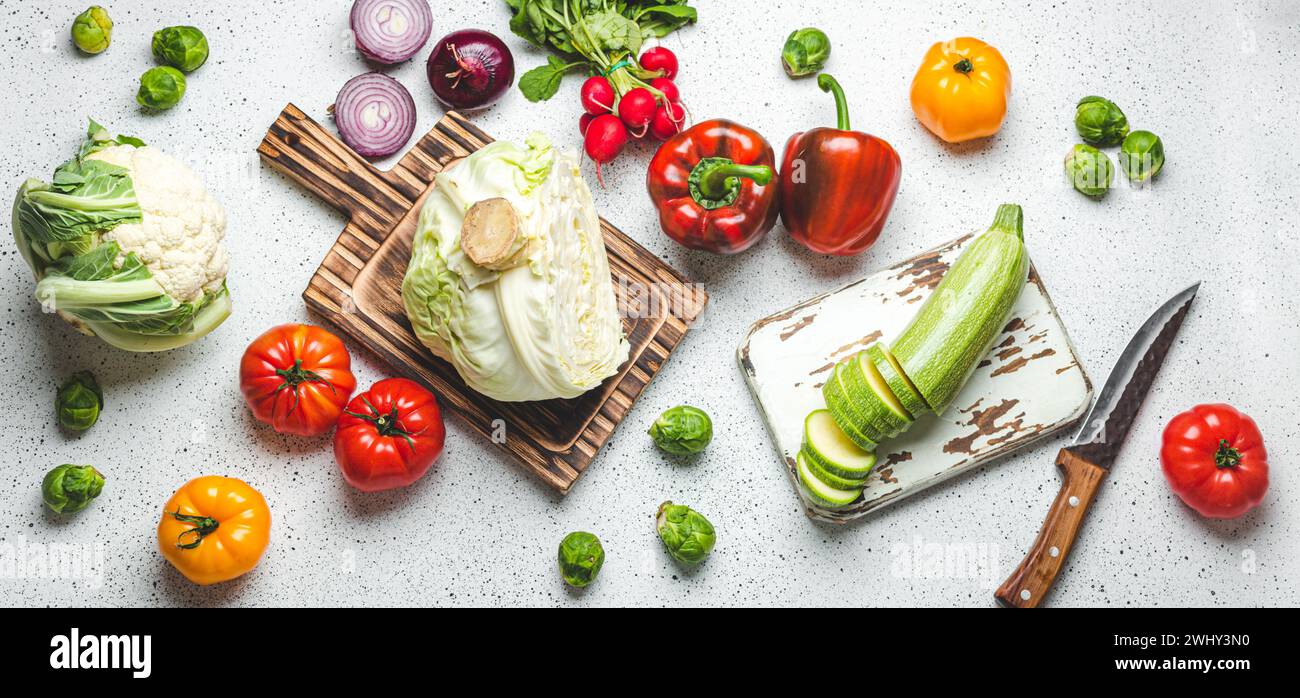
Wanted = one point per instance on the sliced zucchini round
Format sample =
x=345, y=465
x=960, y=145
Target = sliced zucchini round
x=897, y=381
x=835, y=452
x=825, y=475
x=870, y=422
x=821, y=493
x=846, y=415
x=868, y=391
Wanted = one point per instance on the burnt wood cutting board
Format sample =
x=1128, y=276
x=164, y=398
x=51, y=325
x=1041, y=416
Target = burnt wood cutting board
x=1031, y=384
x=358, y=289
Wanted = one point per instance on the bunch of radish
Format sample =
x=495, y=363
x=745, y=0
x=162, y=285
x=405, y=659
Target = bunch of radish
x=633, y=101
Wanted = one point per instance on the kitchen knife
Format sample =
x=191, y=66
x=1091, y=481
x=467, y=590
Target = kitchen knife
x=1088, y=459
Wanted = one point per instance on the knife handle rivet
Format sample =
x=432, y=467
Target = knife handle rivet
x=1074, y=501
x=1024, y=594
x=1054, y=552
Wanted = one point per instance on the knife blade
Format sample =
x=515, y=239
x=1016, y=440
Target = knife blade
x=1112, y=413
x=1087, y=460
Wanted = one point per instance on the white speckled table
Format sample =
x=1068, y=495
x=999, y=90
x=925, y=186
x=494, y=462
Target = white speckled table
x=1213, y=79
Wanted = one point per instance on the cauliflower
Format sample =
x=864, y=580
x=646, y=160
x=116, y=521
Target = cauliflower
x=180, y=238
x=126, y=244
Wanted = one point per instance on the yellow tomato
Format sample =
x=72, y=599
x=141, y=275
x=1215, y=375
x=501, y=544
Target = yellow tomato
x=214, y=529
x=961, y=90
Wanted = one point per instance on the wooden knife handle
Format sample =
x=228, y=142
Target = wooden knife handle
x=1029, y=584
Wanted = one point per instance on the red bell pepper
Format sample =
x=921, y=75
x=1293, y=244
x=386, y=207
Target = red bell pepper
x=1214, y=459
x=837, y=185
x=714, y=187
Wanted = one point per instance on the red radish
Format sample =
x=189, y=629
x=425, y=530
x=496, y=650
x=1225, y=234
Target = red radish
x=584, y=121
x=668, y=87
x=604, y=140
x=667, y=121
x=636, y=109
x=660, y=58
x=678, y=114
x=597, y=95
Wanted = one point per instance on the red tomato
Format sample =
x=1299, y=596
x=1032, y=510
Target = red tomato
x=389, y=435
x=297, y=378
x=1214, y=459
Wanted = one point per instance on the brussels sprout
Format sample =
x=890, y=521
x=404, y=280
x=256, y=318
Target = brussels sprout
x=581, y=556
x=70, y=488
x=1141, y=156
x=688, y=536
x=1089, y=170
x=181, y=47
x=92, y=30
x=805, y=52
x=682, y=430
x=1100, y=122
x=79, y=401
x=161, y=88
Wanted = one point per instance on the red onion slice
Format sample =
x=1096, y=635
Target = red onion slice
x=375, y=115
x=391, y=31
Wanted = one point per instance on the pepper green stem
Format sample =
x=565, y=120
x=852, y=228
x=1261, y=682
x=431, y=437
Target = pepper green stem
x=829, y=84
x=719, y=179
x=964, y=66
x=1010, y=219
x=715, y=182
x=1226, y=456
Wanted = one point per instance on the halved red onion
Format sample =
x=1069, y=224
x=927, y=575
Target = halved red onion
x=375, y=115
x=391, y=31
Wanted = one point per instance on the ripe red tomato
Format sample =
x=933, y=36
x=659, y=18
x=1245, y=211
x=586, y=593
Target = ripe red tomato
x=297, y=378
x=389, y=435
x=1214, y=459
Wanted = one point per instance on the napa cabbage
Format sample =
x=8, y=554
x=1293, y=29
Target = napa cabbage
x=545, y=328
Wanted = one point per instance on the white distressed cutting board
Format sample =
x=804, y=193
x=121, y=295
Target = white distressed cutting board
x=1030, y=385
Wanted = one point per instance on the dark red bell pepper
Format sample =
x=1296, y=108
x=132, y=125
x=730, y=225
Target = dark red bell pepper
x=837, y=185
x=714, y=187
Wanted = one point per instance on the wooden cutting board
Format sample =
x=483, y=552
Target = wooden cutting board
x=358, y=289
x=1030, y=386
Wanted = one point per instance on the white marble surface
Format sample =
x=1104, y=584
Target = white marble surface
x=1213, y=79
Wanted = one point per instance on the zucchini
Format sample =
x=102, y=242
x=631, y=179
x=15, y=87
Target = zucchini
x=835, y=453
x=873, y=397
x=822, y=473
x=958, y=323
x=821, y=493
x=889, y=369
x=846, y=414
x=873, y=424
